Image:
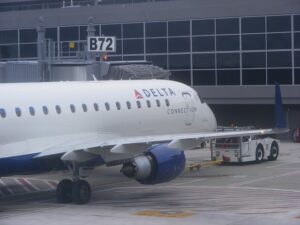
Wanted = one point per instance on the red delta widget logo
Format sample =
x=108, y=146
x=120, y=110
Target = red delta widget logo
x=153, y=92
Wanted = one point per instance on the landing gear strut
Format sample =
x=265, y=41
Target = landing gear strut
x=76, y=190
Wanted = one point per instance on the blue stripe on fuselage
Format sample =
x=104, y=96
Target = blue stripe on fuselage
x=27, y=163
x=23, y=163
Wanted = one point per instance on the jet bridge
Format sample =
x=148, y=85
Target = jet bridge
x=54, y=64
x=123, y=70
x=28, y=71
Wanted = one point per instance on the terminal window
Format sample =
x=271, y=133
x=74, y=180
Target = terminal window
x=179, y=62
x=203, y=27
x=157, y=29
x=112, y=30
x=253, y=25
x=203, y=44
x=281, y=76
x=227, y=26
x=228, y=77
x=204, y=61
x=179, y=28
x=204, y=77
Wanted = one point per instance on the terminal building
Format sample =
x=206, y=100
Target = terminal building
x=231, y=51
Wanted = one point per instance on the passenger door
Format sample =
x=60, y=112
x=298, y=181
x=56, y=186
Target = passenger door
x=189, y=109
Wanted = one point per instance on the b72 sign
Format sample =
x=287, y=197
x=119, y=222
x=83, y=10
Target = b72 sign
x=101, y=44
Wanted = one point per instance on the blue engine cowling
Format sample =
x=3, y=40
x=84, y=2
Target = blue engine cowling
x=159, y=164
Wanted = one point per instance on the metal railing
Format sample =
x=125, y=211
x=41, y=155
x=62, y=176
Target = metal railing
x=57, y=51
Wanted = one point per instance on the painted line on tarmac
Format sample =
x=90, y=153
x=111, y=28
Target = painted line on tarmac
x=22, y=184
x=110, y=184
x=51, y=183
x=27, y=185
x=165, y=214
x=265, y=178
x=253, y=188
x=200, y=165
x=282, y=164
x=190, y=182
x=207, y=187
x=5, y=188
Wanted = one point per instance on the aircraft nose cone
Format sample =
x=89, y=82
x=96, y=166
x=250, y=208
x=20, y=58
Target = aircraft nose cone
x=212, y=118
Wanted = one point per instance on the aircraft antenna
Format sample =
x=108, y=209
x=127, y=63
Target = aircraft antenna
x=94, y=77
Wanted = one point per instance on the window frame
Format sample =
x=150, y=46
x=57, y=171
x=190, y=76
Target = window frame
x=107, y=106
x=2, y=113
x=118, y=106
x=31, y=110
x=58, y=109
x=45, y=110
x=96, y=107
x=167, y=102
x=18, y=111
x=158, y=103
x=84, y=107
x=148, y=103
x=72, y=108
x=128, y=104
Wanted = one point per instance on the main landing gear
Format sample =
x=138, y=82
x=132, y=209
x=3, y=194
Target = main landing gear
x=76, y=190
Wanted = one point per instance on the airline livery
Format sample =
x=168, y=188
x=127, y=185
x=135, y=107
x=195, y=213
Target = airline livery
x=143, y=125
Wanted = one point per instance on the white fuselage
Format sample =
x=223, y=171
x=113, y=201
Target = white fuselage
x=33, y=129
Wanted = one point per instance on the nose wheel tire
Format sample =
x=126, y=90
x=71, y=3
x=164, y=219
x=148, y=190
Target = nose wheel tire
x=78, y=192
x=259, y=154
x=274, y=152
x=64, y=191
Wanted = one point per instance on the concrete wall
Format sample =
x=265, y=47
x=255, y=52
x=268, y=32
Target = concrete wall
x=68, y=73
x=248, y=94
x=152, y=11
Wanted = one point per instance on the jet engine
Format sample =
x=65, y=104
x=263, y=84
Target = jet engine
x=159, y=164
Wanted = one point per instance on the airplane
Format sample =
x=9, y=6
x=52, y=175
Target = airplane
x=144, y=125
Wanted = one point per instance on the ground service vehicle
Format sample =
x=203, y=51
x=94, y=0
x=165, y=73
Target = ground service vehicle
x=245, y=149
x=296, y=135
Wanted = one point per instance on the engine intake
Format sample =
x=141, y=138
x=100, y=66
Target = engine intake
x=159, y=164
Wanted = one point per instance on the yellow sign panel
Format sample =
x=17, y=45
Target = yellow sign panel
x=166, y=214
x=71, y=45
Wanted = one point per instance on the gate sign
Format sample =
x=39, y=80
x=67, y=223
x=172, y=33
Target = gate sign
x=102, y=44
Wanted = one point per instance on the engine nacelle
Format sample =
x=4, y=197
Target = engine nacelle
x=159, y=164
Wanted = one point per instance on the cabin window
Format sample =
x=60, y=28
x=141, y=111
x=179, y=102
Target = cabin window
x=45, y=110
x=72, y=108
x=58, y=109
x=18, y=112
x=138, y=103
x=107, y=106
x=167, y=102
x=128, y=105
x=31, y=111
x=96, y=107
x=157, y=102
x=118, y=105
x=148, y=103
x=84, y=108
x=2, y=113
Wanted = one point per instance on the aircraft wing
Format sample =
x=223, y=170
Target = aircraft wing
x=84, y=149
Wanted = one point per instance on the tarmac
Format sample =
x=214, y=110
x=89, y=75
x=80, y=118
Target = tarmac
x=206, y=193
